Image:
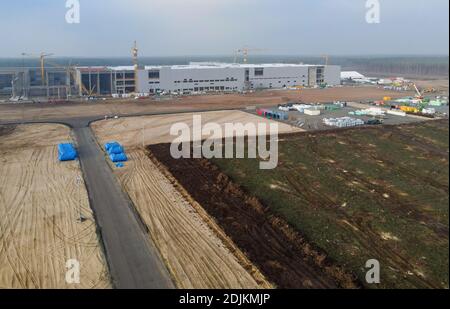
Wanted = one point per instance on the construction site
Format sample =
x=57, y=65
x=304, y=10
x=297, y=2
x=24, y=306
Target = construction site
x=85, y=151
x=53, y=82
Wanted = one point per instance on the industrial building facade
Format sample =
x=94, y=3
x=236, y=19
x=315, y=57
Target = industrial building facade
x=33, y=82
x=205, y=77
x=195, y=77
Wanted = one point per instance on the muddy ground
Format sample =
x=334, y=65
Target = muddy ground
x=6, y=130
x=357, y=194
x=282, y=254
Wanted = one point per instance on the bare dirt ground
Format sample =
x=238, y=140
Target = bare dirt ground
x=281, y=254
x=144, y=130
x=195, y=255
x=441, y=85
x=196, y=251
x=41, y=111
x=40, y=204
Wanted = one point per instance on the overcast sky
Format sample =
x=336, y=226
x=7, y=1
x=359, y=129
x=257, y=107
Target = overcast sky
x=217, y=27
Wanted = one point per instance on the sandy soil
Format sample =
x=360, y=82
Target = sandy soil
x=197, y=252
x=18, y=112
x=195, y=256
x=438, y=84
x=145, y=130
x=40, y=204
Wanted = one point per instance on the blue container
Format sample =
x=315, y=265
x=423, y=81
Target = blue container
x=116, y=149
x=67, y=152
x=109, y=145
x=121, y=157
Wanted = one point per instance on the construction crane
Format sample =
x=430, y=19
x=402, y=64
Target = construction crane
x=245, y=51
x=419, y=94
x=42, y=60
x=71, y=72
x=135, y=53
x=327, y=58
x=42, y=57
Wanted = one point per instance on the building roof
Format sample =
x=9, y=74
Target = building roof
x=351, y=75
x=212, y=65
x=203, y=65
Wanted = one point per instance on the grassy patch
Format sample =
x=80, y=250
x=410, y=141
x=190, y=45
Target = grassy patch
x=361, y=194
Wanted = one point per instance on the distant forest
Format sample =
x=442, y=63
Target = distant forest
x=407, y=66
x=424, y=66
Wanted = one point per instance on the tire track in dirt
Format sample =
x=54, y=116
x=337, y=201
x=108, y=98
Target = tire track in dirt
x=39, y=207
x=360, y=227
x=279, y=252
x=195, y=257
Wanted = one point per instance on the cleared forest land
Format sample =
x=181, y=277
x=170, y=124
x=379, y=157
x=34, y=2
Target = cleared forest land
x=41, y=203
x=336, y=200
x=195, y=249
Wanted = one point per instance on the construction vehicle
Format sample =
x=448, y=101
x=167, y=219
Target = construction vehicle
x=429, y=90
x=419, y=95
x=409, y=109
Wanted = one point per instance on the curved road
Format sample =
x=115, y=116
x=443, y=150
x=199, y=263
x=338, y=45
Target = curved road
x=133, y=259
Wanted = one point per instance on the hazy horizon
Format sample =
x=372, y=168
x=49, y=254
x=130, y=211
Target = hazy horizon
x=188, y=28
x=230, y=55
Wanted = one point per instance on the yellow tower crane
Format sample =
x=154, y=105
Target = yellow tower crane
x=42, y=57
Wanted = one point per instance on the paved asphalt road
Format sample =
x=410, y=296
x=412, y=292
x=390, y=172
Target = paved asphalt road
x=133, y=260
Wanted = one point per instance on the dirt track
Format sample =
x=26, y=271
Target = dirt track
x=15, y=112
x=195, y=256
x=40, y=204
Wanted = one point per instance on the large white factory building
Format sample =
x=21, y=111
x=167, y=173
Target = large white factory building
x=204, y=77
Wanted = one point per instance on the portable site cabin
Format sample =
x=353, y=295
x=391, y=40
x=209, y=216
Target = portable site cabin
x=272, y=114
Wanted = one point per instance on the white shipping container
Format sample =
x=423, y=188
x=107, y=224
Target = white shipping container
x=429, y=111
x=312, y=112
x=397, y=113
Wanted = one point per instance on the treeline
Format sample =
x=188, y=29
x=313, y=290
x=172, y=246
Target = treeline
x=426, y=66
x=409, y=66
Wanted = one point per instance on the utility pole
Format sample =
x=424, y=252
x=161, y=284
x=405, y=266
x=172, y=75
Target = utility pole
x=135, y=53
x=79, y=183
x=143, y=135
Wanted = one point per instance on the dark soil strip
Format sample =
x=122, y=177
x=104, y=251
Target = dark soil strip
x=281, y=253
x=6, y=130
